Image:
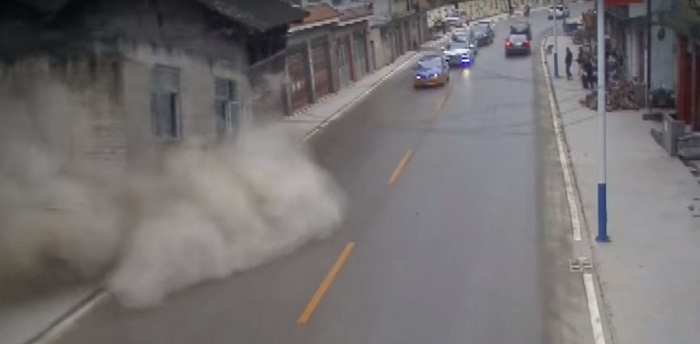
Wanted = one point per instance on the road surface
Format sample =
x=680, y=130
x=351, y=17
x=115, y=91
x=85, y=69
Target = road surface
x=470, y=244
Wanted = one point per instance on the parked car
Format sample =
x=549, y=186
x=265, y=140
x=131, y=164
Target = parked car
x=431, y=70
x=561, y=11
x=518, y=44
x=483, y=35
x=460, y=53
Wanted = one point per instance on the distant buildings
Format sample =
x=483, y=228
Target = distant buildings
x=343, y=40
x=675, y=49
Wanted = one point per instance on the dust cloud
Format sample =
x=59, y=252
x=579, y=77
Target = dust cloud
x=223, y=210
x=208, y=211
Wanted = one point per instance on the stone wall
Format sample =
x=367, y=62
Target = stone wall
x=486, y=8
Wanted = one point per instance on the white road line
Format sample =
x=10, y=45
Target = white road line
x=55, y=331
x=561, y=148
x=593, y=311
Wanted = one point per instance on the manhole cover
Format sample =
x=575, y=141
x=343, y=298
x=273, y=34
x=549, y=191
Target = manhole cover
x=580, y=265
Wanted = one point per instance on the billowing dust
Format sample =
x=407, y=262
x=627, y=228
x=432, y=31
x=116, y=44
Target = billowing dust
x=208, y=211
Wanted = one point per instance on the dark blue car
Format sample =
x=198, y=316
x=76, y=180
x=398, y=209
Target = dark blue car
x=431, y=70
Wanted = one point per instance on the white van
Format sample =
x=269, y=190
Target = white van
x=560, y=11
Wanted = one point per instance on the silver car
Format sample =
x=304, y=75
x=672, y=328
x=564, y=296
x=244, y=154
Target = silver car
x=459, y=53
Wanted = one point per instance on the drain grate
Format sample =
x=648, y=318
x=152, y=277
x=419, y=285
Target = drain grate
x=580, y=265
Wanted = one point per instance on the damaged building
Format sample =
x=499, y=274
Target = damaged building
x=115, y=81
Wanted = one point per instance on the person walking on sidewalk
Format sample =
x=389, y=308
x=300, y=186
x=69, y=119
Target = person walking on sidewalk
x=568, y=60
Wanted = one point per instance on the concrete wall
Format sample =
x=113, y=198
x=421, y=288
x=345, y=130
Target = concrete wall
x=197, y=77
x=93, y=105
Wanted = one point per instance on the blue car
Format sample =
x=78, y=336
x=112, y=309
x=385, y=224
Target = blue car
x=431, y=70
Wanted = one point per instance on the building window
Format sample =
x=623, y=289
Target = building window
x=166, y=121
x=337, y=2
x=227, y=106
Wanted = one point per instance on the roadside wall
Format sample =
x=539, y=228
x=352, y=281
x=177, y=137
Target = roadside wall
x=487, y=8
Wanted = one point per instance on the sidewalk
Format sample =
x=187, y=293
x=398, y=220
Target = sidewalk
x=650, y=272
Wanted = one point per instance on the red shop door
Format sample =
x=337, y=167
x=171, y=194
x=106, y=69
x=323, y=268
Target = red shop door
x=684, y=81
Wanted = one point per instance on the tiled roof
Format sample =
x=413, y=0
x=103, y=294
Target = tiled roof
x=45, y=5
x=260, y=15
x=319, y=13
x=355, y=13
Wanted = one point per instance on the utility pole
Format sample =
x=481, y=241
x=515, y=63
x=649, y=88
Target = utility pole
x=649, y=54
x=556, y=42
x=602, y=171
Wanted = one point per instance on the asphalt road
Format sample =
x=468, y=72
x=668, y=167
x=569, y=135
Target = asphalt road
x=469, y=245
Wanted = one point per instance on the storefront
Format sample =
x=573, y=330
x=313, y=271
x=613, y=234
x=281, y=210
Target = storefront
x=684, y=21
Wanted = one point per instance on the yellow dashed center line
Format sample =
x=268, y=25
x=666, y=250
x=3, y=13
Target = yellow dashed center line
x=326, y=285
x=438, y=109
x=402, y=166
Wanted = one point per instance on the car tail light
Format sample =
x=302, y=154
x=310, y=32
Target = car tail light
x=508, y=44
x=527, y=44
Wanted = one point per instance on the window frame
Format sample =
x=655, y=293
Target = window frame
x=231, y=120
x=160, y=128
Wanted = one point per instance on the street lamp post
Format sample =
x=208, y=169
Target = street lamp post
x=556, y=42
x=649, y=55
x=602, y=184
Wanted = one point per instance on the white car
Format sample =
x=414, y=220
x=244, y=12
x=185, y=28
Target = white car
x=490, y=23
x=560, y=11
x=454, y=21
x=459, y=53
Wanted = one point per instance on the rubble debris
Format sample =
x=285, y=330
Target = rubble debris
x=619, y=96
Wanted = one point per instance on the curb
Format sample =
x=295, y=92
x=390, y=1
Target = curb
x=69, y=318
x=348, y=106
x=573, y=188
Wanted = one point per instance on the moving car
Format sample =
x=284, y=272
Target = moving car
x=521, y=28
x=431, y=70
x=518, y=44
x=454, y=22
x=460, y=53
x=462, y=34
x=490, y=23
x=483, y=35
x=561, y=11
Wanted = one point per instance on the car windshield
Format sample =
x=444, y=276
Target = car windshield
x=517, y=38
x=430, y=63
x=453, y=21
x=519, y=28
x=458, y=45
x=480, y=29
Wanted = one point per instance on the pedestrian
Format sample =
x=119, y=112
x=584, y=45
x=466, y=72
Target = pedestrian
x=568, y=60
x=587, y=77
x=592, y=82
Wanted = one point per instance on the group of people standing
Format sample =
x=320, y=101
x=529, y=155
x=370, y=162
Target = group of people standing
x=585, y=64
x=587, y=72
